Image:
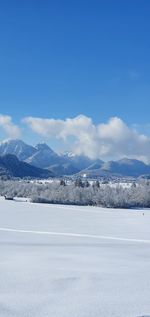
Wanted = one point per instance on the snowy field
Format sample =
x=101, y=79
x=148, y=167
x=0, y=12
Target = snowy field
x=62, y=261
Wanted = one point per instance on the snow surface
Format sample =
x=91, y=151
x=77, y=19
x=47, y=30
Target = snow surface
x=67, y=261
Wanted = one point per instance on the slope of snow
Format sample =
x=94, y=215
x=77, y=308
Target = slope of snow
x=67, y=261
x=16, y=147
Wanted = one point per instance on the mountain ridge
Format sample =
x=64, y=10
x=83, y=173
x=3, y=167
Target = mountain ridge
x=42, y=156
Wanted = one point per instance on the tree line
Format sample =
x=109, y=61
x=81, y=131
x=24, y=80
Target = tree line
x=80, y=193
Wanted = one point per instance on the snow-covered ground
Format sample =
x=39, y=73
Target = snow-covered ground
x=62, y=261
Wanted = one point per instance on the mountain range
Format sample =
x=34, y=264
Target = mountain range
x=42, y=156
x=41, y=161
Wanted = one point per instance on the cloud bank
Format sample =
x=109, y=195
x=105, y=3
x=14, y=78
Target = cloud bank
x=10, y=129
x=111, y=140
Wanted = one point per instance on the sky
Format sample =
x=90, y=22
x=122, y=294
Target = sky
x=60, y=60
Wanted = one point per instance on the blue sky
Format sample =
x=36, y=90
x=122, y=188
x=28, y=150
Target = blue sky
x=59, y=59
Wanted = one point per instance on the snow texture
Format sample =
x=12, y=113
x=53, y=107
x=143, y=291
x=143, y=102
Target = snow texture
x=68, y=261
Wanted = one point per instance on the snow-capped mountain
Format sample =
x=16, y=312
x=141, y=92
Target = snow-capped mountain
x=42, y=156
x=17, y=148
x=68, y=154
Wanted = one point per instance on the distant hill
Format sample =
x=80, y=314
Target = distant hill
x=126, y=167
x=12, y=167
x=95, y=166
x=79, y=161
x=121, y=168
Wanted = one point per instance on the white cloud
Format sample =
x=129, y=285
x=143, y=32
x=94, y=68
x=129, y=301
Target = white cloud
x=11, y=130
x=111, y=140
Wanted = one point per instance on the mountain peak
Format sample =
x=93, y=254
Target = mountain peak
x=11, y=141
x=16, y=147
x=68, y=154
x=129, y=161
x=43, y=146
